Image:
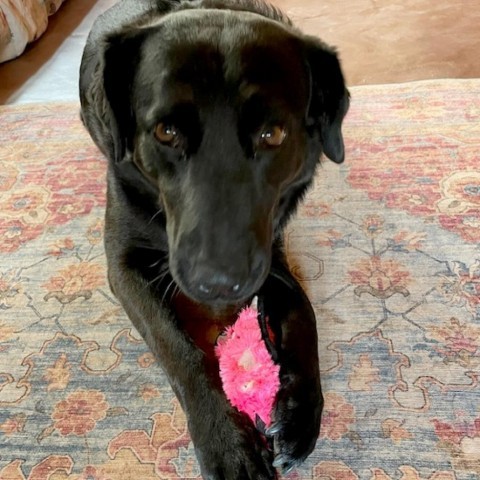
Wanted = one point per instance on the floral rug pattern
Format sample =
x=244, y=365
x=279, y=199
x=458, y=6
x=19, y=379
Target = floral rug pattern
x=387, y=246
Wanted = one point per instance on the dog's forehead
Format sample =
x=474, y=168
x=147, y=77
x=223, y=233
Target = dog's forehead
x=213, y=52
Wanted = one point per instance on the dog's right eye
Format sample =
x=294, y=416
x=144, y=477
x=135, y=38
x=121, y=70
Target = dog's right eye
x=272, y=136
x=167, y=134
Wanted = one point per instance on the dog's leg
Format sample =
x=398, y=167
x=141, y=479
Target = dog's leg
x=227, y=445
x=296, y=418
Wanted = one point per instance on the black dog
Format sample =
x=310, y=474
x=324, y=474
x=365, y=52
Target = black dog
x=213, y=115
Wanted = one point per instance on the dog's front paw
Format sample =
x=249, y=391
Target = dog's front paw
x=234, y=450
x=296, y=422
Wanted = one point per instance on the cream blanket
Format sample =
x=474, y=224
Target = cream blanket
x=22, y=22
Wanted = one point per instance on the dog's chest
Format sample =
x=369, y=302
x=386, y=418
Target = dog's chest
x=203, y=324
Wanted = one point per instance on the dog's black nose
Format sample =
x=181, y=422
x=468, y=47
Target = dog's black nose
x=218, y=285
x=222, y=283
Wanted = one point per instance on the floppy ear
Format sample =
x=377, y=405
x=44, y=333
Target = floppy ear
x=120, y=60
x=329, y=98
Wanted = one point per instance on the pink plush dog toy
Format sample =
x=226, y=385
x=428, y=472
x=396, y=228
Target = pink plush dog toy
x=249, y=375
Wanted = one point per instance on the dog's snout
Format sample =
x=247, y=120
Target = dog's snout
x=221, y=265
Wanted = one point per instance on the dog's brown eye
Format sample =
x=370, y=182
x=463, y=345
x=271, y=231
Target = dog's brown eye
x=273, y=136
x=166, y=133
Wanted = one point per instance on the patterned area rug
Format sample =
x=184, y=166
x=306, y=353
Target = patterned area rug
x=387, y=246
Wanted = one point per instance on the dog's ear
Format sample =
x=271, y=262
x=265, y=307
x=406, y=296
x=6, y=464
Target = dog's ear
x=120, y=60
x=329, y=98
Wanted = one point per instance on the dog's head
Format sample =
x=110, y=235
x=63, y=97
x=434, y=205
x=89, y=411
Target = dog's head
x=224, y=114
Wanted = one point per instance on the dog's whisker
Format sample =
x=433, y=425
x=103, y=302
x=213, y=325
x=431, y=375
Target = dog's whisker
x=160, y=277
x=154, y=264
x=172, y=283
x=155, y=215
x=176, y=291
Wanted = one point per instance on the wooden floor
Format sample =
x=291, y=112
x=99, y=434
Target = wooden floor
x=386, y=41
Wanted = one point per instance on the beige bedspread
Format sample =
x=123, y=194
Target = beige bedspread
x=22, y=22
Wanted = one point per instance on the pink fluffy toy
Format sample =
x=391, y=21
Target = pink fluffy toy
x=249, y=375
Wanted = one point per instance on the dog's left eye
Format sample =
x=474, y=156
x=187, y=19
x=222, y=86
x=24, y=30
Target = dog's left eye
x=272, y=136
x=167, y=134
